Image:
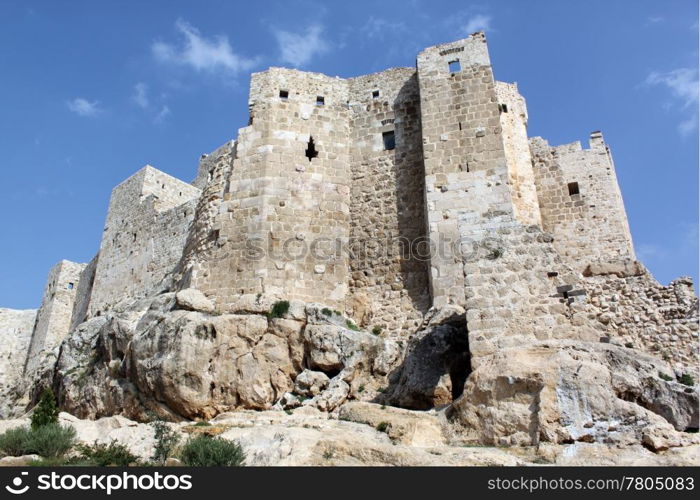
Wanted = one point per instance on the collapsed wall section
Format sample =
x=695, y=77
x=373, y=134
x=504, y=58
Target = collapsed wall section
x=580, y=201
x=388, y=274
x=144, y=237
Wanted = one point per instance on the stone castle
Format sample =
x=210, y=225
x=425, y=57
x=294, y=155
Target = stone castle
x=383, y=196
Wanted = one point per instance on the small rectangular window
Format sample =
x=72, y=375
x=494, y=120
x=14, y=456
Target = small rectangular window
x=503, y=108
x=284, y=95
x=375, y=94
x=320, y=101
x=389, y=140
x=455, y=66
x=573, y=188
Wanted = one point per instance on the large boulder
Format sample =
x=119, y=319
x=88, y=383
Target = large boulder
x=564, y=392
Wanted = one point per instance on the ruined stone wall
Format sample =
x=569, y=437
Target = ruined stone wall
x=634, y=310
x=283, y=213
x=15, y=335
x=592, y=224
x=203, y=239
x=521, y=177
x=388, y=282
x=144, y=237
x=53, y=319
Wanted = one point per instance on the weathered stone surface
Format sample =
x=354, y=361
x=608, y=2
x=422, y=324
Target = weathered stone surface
x=620, y=268
x=310, y=383
x=563, y=392
x=436, y=365
x=412, y=428
x=193, y=300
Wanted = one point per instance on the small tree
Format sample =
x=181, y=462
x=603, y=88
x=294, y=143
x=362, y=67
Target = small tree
x=46, y=412
x=166, y=440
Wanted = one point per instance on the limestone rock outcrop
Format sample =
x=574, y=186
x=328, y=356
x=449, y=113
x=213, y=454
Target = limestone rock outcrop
x=177, y=363
x=563, y=392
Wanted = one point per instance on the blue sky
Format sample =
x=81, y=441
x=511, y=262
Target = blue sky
x=93, y=90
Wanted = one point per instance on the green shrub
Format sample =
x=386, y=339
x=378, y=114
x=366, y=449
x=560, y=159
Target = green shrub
x=15, y=442
x=687, y=379
x=106, y=454
x=352, y=326
x=202, y=424
x=52, y=440
x=377, y=330
x=46, y=412
x=665, y=377
x=326, y=312
x=206, y=451
x=279, y=309
x=361, y=388
x=166, y=440
x=383, y=426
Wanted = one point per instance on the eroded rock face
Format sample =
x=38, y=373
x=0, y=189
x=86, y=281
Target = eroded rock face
x=174, y=362
x=565, y=392
x=436, y=365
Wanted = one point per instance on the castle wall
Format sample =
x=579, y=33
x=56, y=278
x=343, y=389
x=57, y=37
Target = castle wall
x=388, y=282
x=84, y=291
x=521, y=177
x=282, y=213
x=15, y=335
x=467, y=192
x=592, y=224
x=144, y=236
x=53, y=319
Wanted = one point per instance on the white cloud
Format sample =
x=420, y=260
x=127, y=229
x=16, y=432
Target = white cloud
x=200, y=53
x=478, y=22
x=83, y=107
x=298, y=49
x=140, y=96
x=379, y=28
x=655, y=20
x=162, y=114
x=683, y=85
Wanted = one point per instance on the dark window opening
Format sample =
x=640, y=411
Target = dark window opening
x=503, y=108
x=70, y=286
x=215, y=234
x=284, y=95
x=375, y=94
x=460, y=125
x=573, y=188
x=320, y=101
x=454, y=66
x=311, y=149
x=389, y=140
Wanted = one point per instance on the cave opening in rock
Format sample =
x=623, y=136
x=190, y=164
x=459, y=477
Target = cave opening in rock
x=436, y=368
